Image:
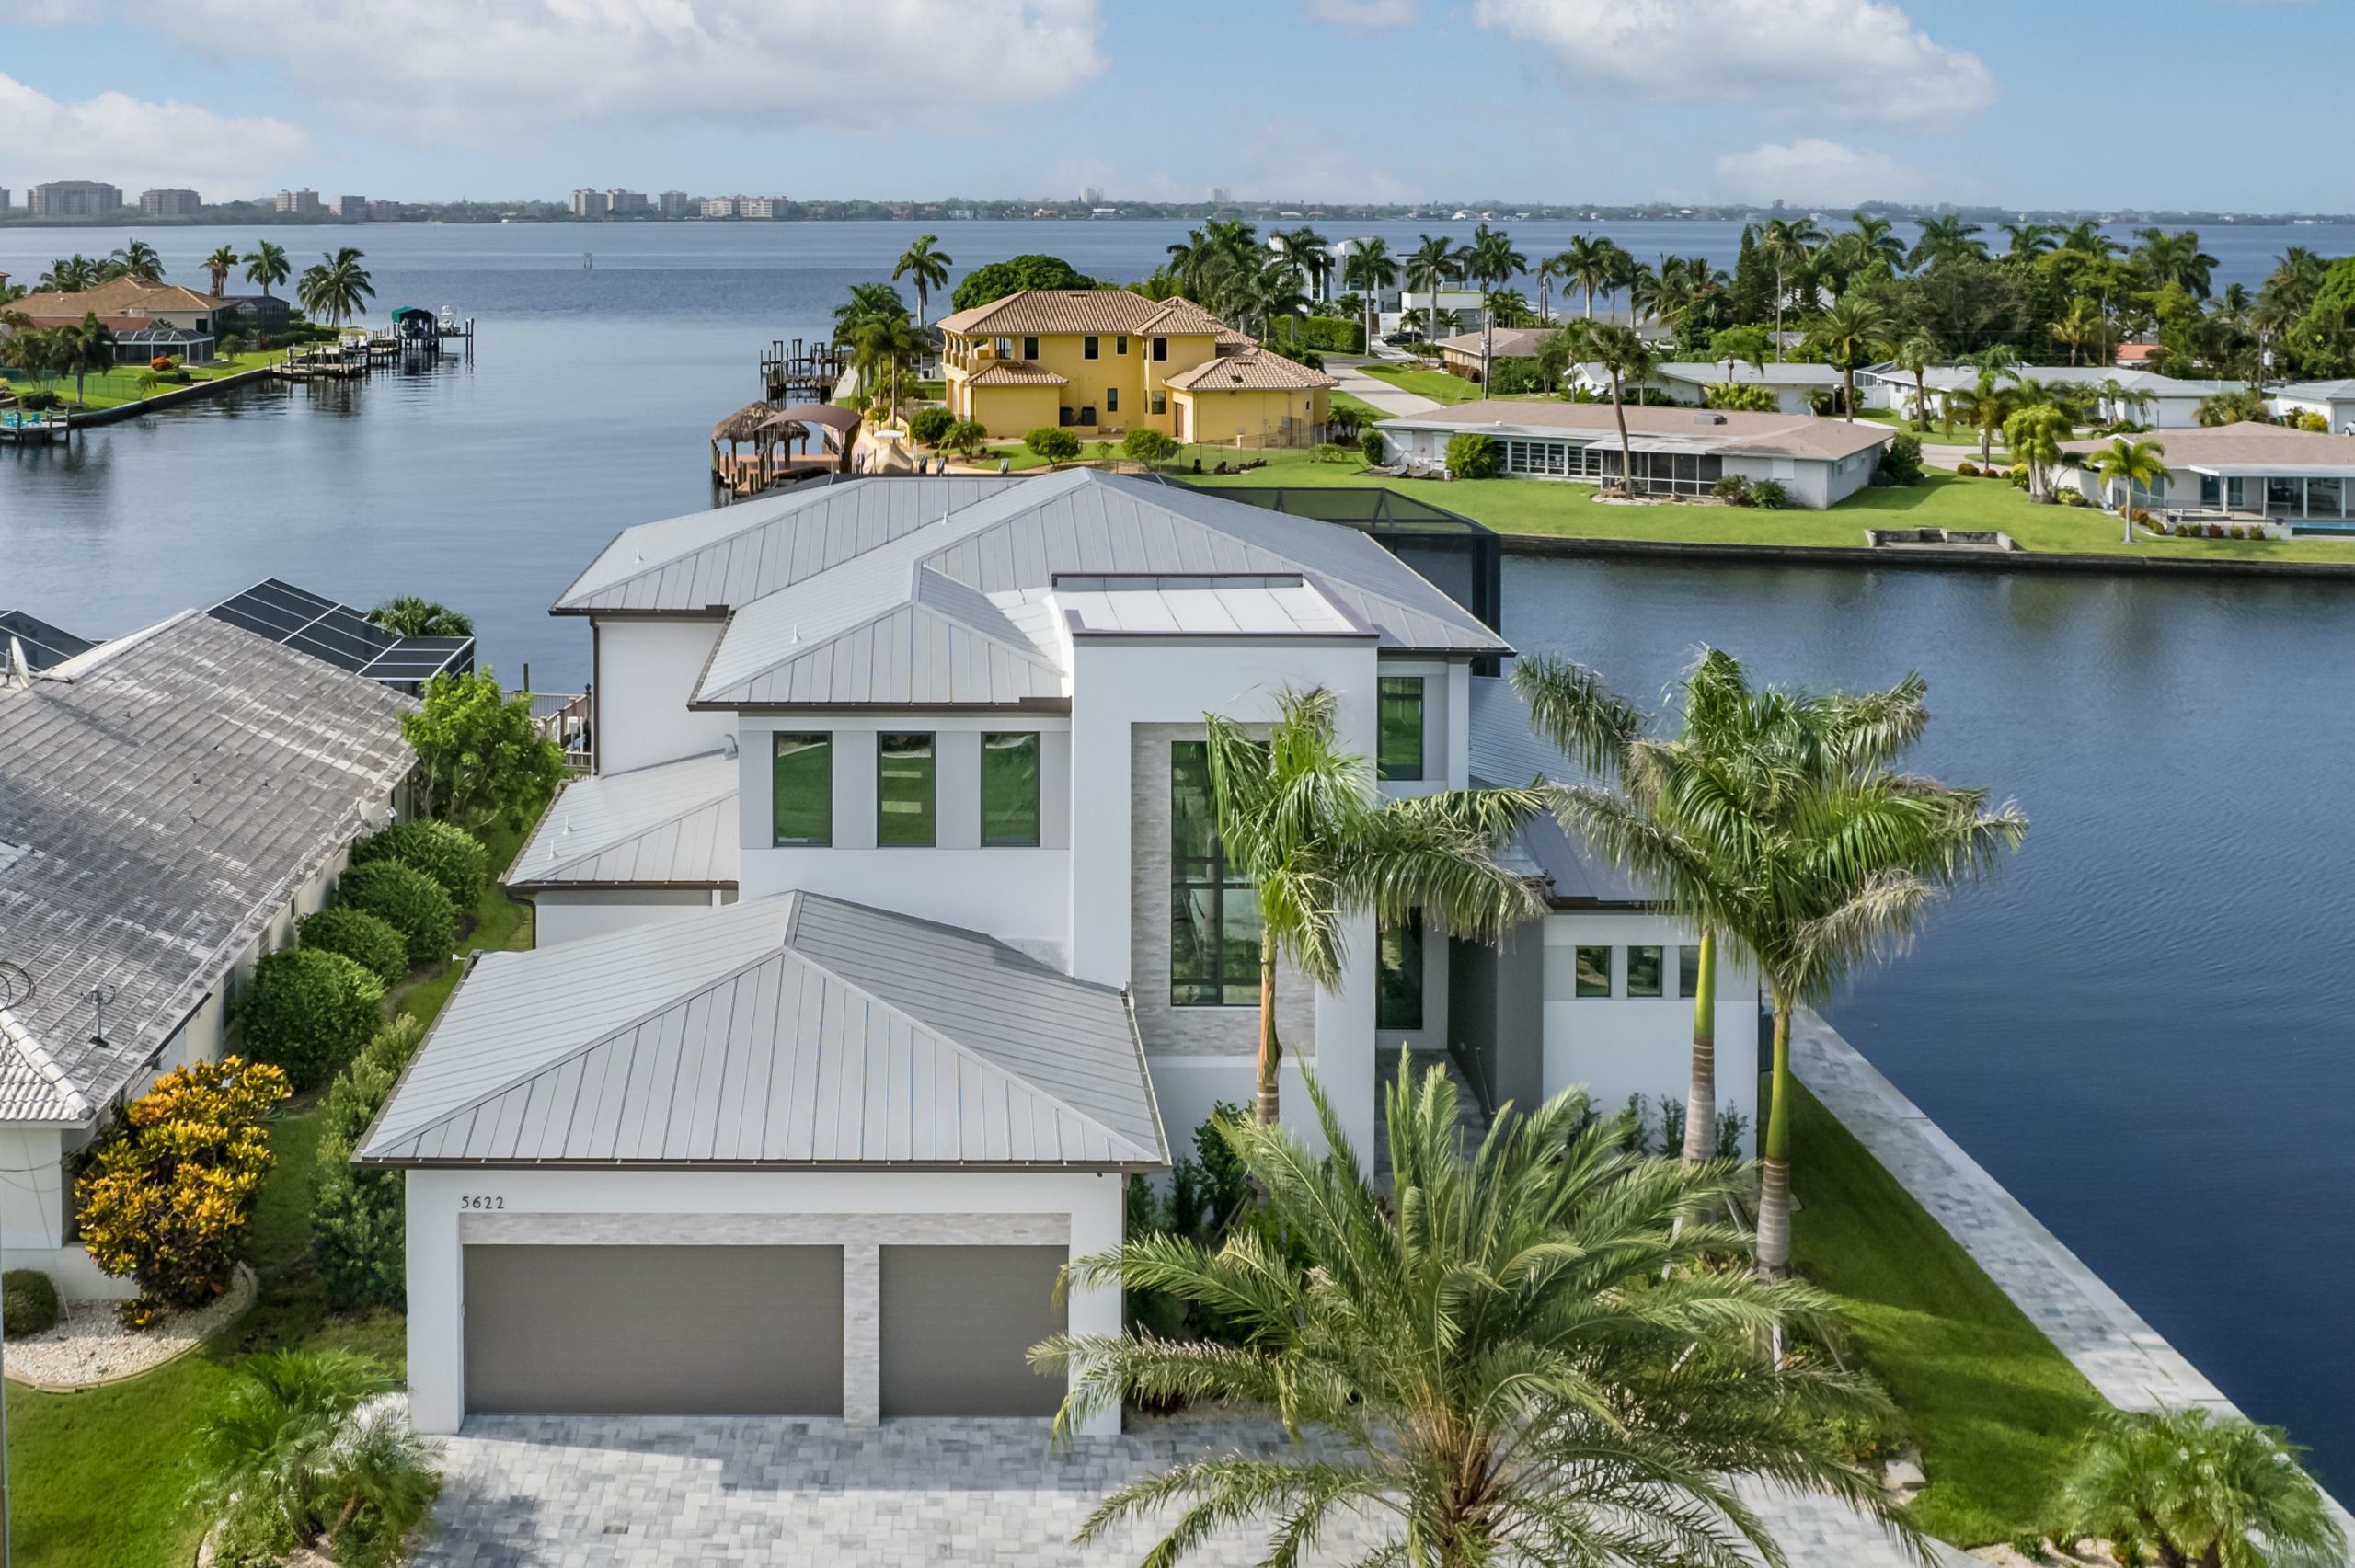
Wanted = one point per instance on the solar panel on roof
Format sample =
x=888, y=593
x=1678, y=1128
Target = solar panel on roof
x=339, y=635
x=44, y=645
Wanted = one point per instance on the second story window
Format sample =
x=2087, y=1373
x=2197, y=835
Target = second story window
x=1010, y=790
x=905, y=810
x=1088, y=346
x=1398, y=975
x=1161, y=347
x=802, y=791
x=1399, y=750
x=1213, y=915
x=1030, y=348
x=1121, y=343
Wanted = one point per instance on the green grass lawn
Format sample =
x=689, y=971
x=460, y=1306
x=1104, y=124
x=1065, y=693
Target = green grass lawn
x=1365, y=410
x=1438, y=385
x=99, y=1479
x=1994, y=1407
x=113, y=387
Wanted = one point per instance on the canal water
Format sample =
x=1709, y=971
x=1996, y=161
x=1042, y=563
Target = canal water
x=2144, y=1031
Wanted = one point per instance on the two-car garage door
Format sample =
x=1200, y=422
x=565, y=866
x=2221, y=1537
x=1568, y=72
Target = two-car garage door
x=563, y=1330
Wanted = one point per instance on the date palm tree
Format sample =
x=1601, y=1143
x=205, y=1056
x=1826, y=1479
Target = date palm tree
x=1370, y=268
x=1829, y=856
x=1523, y=1355
x=2192, y=1490
x=1849, y=334
x=926, y=269
x=2130, y=462
x=219, y=265
x=1432, y=265
x=1623, y=358
x=1303, y=821
x=336, y=287
x=137, y=258
x=266, y=264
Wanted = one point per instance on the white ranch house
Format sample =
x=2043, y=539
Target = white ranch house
x=2145, y=398
x=1795, y=385
x=2297, y=481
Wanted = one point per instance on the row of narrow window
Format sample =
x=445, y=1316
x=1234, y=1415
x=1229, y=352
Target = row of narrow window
x=907, y=781
x=1644, y=971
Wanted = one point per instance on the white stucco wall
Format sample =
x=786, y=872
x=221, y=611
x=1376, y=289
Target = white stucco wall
x=860, y=1208
x=570, y=916
x=646, y=670
x=1618, y=1046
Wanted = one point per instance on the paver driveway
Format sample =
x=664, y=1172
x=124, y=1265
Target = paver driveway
x=528, y=1491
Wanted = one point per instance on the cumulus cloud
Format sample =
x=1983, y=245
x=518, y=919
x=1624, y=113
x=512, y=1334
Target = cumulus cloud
x=1367, y=16
x=467, y=70
x=1859, y=61
x=136, y=143
x=1814, y=172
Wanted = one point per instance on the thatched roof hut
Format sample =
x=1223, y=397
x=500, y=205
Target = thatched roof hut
x=743, y=426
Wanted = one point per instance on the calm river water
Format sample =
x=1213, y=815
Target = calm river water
x=2141, y=1031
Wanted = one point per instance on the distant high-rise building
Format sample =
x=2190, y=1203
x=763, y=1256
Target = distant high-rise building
x=673, y=203
x=744, y=206
x=1091, y=196
x=719, y=206
x=1221, y=195
x=351, y=209
x=73, y=198
x=4, y=198
x=302, y=203
x=626, y=203
x=383, y=211
x=169, y=203
x=588, y=203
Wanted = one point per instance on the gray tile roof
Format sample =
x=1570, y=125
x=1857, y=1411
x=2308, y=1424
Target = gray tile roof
x=793, y=1030
x=1507, y=754
x=161, y=798
x=670, y=824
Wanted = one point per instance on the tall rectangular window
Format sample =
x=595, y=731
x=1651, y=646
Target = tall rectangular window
x=1399, y=750
x=1398, y=975
x=1213, y=915
x=1594, y=972
x=1030, y=348
x=1160, y=402
x=1642, y=972
x=1089, y=346
x=1112, y=400
x=1121, y=343
x=1010, y=789
x=1161, y=347
x=1688, y=971
x=802, y=788
x=903, y=790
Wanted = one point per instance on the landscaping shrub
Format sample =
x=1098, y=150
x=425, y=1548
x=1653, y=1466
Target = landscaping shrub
x=1333, y=334
x=1473, y=456
x=357, y=1217
x=359, y=936
x=928, y=425
x=965, y=438
x=1966, y=468
x=1733, y=489
x=481, y=754
x=1768, y=495
x=40, y=400
x=1900, y=461
x=1375, y=447
x=306, y=1010
x=407, y=900
x=168, y=1191
x=2313, y=422
x=1330, y=451
x=2018, y=474
x=2069, y=495
x=1740, y=396
x=29, y=1301
x=1149, y=447
x=1054, y=443
x=451, y=856
x=1508, y=377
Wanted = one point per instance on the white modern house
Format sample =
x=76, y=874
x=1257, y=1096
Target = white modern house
x=811, y=1131
x=2302, y=481
x=171, y=803
x=2145, y=398
x=1681, y=451
x=1795, y=385
x=2333, y=400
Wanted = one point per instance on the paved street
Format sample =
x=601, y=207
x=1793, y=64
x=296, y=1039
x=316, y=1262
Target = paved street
x=1347, y=377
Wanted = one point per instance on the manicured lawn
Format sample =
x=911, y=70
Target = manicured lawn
x=113, y=387
x=1995, y=1409
x=1437, y=386
x=99, y=1479
x=1365, y=410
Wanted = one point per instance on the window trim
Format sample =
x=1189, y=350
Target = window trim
x=1120, y=342
x=1610, y=972
x=1682, y=949
x=1384, y=769
x=1031, y=345
x=1413, y=964
x=1112, y=400
x=1158, y=403
x=1660, y=970
x=776, y=742
x=1219, y=882
x=1038, y=812
x=931, y=740
x=1091, y=346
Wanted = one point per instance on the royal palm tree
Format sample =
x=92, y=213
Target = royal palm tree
x=1491, y=262
x=1432, y=265
x=2188, y=1489
x=1830, y=855
x=137, y=258
x=266, y=264
x=1305, y=251
x=926, y=269
x=407, y=615
x=2130, y=462
x=1623, y=358
x=1945, y=237
x=1370, y=268
x=1850, y=334
x=83, y=348
x=1523, y=1355
x=336, y=287
x=1593, y=264
x=1877, y=239
x=1787, y=242
x=1302, y=820
x=219, y=265
x=1914, y=352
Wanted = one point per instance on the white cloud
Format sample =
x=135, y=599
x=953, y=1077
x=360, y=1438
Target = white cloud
x=1806, y=61
x=471, y=70
x=136, y=143
x=1367, y=16
x=1814, y=172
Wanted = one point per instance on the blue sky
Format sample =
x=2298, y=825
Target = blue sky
x=2014, y=102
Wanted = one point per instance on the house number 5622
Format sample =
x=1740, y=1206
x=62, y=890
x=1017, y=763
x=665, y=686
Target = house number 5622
x=479, y=1201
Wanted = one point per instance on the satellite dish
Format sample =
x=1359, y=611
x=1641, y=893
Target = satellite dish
x=16, y=984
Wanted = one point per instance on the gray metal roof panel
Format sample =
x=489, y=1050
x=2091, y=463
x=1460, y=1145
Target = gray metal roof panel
x=670, y=822
x=796, y=1029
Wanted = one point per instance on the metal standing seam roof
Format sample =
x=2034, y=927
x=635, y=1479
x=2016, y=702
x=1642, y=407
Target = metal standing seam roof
x=1281, y=605
x=791, y=1031
x=164, y=795
x=1507, y=754
x=892, y=627
x=670, y=825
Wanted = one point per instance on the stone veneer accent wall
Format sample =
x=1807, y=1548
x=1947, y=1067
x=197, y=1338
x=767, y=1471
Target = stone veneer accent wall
x=1187, y=1031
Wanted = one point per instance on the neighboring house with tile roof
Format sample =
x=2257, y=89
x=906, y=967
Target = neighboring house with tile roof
x=128, y=300
x=1104, y=362
x=171, y=802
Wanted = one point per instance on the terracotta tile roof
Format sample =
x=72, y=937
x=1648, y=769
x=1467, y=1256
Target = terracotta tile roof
x=121, y=296
x=1085, y=310
x=1016, y=372
x=1249, y=370
x=2241, y=442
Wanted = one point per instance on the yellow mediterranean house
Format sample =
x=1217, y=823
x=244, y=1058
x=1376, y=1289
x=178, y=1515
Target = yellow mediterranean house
x=1101, y=362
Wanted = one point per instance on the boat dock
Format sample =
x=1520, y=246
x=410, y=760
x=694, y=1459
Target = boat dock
x=416, y=336
x=20, y=429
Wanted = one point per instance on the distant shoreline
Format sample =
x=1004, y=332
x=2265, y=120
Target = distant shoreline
x=1051, y=213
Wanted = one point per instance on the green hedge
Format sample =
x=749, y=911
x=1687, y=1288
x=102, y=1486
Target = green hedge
x=359, y=936
x=29, y=1301
x=1329, y=334
x=1473, y=456
x=407, y=900
x=449, y=854
x=357, y=1216
x=1052, y=442
x=307, y=1011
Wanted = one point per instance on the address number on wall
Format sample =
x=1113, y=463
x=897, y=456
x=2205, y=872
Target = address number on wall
x=481, y=1201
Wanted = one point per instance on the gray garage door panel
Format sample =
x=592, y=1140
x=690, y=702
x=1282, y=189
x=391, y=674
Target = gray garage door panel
x=654, y=1331
x=958, y=1324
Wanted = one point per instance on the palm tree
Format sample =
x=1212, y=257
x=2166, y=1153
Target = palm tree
x=2086, y=239
x=1370, y=268
x=1592, y=264
x=137, y=258
x=1849, y=334
x=83, y=348
x=2031, y=240
x=70, y=275
x=2034, y=434
x=1787, y=242
x=219, y=265
x=336, y=287
x=411, y=616
x=1521, y=1356
x=2079, y=326
x=1302, y=820
x=1987, y=402
x=1945, y=237
x=881, y=348
x=868, y=302
x=1491, y=262
x=1876, y=240
x=928, y=268
x=1829, y=856
x=266, y=264
x=2130, y=462
x=1305, y=249
x=1624, y=357
x=2173, y=257
x=1433, y=264
x=1914, y=353
x=2194, y=1490
x=2231, y=407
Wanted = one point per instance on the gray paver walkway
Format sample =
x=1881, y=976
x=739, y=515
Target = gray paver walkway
x=1347, y=377
x=541, y=1491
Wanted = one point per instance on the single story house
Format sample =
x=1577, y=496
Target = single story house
x=124, y=299
x=344, y=636
x=1461, y=353
x=2333, y=400
x=1676, y=451
x=1797, y=386
x=2145, y=397
x=2300, y=478
x=171, y=803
